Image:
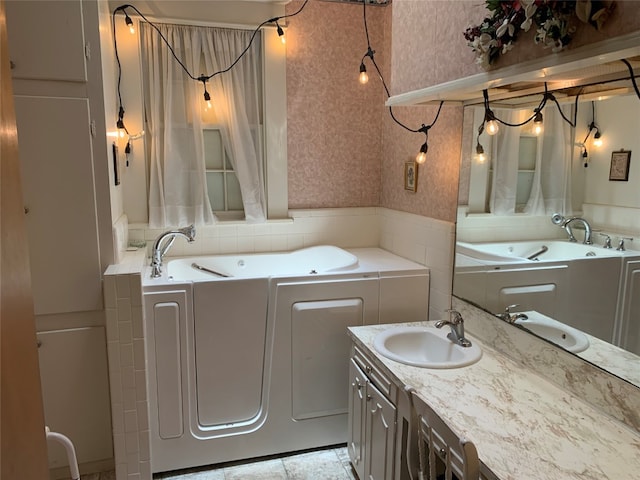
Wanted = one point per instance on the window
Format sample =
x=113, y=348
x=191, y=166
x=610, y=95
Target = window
x=222, y=183
x=527, y=149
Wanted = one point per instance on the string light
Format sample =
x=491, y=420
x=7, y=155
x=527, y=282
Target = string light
x=201, y=78
x=207, y=97
x=480, y=155
x=597, y=136
x=422, y=154
x=490, y=122
x=122, y=130
x=538, y=126
x=280, y=32
x=364, y=78
x=129, y=23
x=597, y=139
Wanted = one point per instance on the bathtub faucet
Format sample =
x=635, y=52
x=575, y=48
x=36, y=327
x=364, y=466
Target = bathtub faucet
x=561, y=221
x=163, y=244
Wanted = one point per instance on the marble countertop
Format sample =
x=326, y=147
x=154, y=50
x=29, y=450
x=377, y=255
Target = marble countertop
x=523, y=426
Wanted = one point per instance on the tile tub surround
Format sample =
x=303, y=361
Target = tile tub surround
x=604, y=391
x=523, y=426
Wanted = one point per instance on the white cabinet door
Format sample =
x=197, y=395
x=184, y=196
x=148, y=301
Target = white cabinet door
x=356, y=433
x=380, y=432
x=75, y=389
x=57, y=164
x=46, y=40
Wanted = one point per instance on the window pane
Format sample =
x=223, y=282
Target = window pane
x=212, y=149
x=215, y=185
x=234, y=197
x=527, y=154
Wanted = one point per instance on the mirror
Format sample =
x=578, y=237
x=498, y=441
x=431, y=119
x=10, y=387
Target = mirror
x=509, y=251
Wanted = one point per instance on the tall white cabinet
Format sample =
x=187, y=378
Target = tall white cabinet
x=56, y=71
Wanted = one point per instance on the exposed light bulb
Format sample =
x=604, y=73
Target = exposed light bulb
x=422, y=155
x=491, y=127
x=207, y=98
x=122, y=131
x=597, y=139
x=364, y=78
x=538, y=126
x=129, y=22
x=480, y=156
x=281, y=33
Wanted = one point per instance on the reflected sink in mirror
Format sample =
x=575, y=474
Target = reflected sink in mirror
x=426, y=347
x=567, y=337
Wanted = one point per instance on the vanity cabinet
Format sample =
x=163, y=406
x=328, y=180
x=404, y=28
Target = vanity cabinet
x=372, y=419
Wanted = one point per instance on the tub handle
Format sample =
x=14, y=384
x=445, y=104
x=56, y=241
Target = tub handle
x=208, y=270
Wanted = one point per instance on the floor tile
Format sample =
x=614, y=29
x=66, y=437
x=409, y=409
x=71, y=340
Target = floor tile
x=323, y=465
x=202, y=475
x=266, y=470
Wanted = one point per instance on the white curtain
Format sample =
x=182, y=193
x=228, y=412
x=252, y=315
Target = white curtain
x=505, y=165
x=551, y=188
x=237, y=103
x=173, y=102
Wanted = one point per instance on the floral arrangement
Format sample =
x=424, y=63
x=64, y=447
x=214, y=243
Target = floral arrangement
x=553, y=19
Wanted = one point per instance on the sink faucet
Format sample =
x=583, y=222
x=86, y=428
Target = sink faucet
x=456, y=322
x=558, y=219
x=509, y=317
x=163, y=244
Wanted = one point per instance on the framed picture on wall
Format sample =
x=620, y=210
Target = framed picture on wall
x=620, y=161
x=410, y=176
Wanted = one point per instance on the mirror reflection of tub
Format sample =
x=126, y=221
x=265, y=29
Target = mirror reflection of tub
x=572, y=283
x=610, y=207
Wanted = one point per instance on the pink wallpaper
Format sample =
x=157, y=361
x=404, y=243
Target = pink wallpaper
x=343, y=148
x=334, y=123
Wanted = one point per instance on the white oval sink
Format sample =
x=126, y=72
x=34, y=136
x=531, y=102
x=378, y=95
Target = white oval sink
x=564, y=336
x=426, y=347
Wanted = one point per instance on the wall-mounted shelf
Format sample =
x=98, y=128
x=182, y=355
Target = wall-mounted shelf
x=596, y=67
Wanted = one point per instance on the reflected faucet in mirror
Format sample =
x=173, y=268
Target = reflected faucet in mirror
x=558, y=219
x=509, y=317
x=164, y=242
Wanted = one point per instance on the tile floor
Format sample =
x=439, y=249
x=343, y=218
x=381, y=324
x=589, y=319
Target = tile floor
x=326, y=464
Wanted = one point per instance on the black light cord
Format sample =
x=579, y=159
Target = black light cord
x=202, y=78
x=489, y=115
x=632, y=75
x=370, y=52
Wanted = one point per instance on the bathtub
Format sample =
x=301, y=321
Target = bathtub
x=307, y=261
x=250, y=356
x=540, y=250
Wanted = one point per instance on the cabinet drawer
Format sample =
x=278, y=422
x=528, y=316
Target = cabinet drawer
x=379, y=379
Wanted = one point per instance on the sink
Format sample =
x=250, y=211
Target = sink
x=426, y=347
x=564, y=336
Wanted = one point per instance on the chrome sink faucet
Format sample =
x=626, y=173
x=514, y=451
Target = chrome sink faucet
x=456, y=322
x=163, y=243
x=558, y=219
x=509, y=317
